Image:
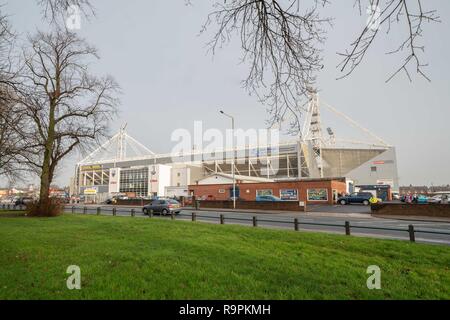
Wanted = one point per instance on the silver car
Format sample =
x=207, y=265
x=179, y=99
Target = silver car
x=440, y=198
x=162, y=206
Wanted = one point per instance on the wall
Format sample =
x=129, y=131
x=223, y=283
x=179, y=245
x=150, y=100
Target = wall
x=133, y=202
x=216, y=179
x=249, y=205
x=403, y=209
x=177, y=191
x=164, y=179
x=181, y=176
x=248, y=190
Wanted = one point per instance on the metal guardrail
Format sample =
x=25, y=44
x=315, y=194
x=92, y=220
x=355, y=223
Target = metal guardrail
x=113, y=211
x=12, y=207
x=254, y=220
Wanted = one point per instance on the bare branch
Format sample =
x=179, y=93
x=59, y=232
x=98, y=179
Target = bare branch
x=55, y=10
x=280, y=41
x=408, y=14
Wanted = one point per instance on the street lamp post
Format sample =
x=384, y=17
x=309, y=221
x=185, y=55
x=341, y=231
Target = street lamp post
x=232, y=162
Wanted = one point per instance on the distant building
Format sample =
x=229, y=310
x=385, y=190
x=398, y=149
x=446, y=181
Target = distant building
x=310, y=191
x=424, y=189
x=435, y=189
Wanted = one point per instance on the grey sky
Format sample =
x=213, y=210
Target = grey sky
x=153, y=50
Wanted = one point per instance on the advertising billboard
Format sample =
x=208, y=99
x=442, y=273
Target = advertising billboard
x=92, y=191
x=317, y=195
x=289, y=194
x=114, y=180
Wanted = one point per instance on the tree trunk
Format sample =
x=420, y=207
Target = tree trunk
x=45, y=180
x=46, y=174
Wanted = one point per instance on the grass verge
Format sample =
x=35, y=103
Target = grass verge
x=135, y=258
x=12, y=214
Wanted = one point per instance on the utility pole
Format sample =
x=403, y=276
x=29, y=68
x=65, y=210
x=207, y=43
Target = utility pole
x=232, y=162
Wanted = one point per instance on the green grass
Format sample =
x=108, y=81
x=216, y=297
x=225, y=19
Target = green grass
x=11, y=214
x=134, y=258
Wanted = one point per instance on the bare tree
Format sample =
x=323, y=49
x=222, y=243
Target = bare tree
x=65, y=106
x=7, y=41
x=280, y=40
x=11, y=142
x=55, y=10
x=408, y=14
x=10, y=120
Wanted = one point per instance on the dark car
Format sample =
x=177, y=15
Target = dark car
x=268, y=198
x=162, y=206
x=357, y=197
x=23, y=201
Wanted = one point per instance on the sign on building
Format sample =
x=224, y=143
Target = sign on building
x=317, y=195
x=264, y=192
x=388, y=182
x=90, y=191
x=114, y=180
x=289, y=194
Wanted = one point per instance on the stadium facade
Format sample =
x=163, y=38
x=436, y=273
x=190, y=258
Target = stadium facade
x=125, y=166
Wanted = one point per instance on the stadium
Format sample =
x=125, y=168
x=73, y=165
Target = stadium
x=124, y=166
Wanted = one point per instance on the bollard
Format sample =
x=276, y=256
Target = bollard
x=172, y=215
x=114, y=211
x=412, y=234
x=222, y=219
x=99, y=211
x=347, y=228
x=150, y=215
x=85, y=210
x=194, y=216
x=255, y=222
x=73, y=209
x=133, y=213
x=296, y=224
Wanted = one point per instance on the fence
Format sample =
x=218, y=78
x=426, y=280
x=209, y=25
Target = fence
x=194, y=216
x=12, y=207
x=347, y=228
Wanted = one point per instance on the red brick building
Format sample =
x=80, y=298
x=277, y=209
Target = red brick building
x=310, y=191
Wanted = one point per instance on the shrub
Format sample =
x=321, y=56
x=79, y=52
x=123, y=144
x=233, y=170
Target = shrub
x=47, y=208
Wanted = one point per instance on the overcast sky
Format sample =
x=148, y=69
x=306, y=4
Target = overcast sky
x=168, y=79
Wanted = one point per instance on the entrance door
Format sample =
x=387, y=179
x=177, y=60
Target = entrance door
x=237, y=193
x=382, y=194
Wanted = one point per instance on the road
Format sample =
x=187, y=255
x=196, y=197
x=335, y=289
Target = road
x=318, y=221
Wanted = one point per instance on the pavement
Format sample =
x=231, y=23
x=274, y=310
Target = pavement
x=361, y=223
x=412, y=218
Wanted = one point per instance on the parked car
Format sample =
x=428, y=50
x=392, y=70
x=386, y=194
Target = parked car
x=441, y=198
x=395, y=196
x=268, y=199
x=421, y=199
x=8, y=201
x=23, y=201
x=435, y=199
x=356, y=197
x=162, y=206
